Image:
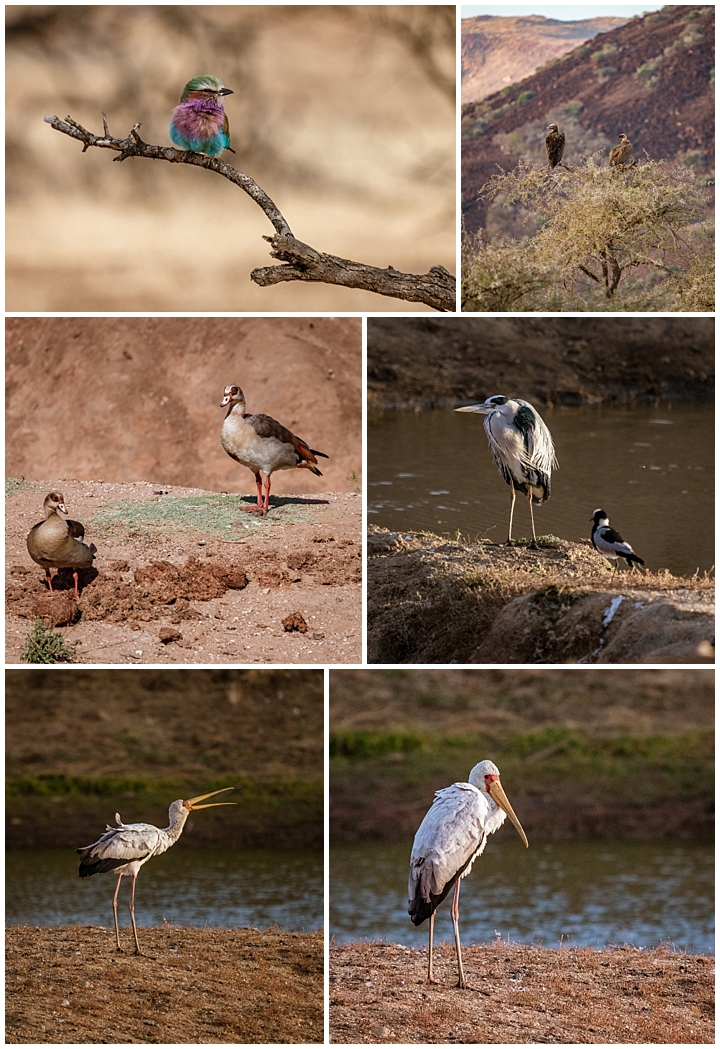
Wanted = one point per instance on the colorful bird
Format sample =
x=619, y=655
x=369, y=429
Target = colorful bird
x=449, y=840
x=125, y=848
x=200, y=123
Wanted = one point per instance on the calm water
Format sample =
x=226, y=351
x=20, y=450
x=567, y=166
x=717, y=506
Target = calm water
x=589, y=894
x=650, y=468
x=222, y=887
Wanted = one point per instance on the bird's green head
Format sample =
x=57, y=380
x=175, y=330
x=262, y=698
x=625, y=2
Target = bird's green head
x=205, y=87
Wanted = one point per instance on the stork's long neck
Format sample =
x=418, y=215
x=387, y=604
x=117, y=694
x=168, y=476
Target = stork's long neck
x=177, y=822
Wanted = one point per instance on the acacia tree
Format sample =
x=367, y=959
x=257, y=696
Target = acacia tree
x=595, y=226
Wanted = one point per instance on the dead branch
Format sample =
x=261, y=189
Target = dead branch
x=300, y=262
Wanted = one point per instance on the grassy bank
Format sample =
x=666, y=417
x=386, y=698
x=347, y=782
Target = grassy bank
x=69, y=985
x=438, y=600
x=520, y=994
x=583, y=754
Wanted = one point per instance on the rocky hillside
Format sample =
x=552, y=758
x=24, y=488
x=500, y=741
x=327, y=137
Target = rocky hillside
x=652, y=78
x=501, y=51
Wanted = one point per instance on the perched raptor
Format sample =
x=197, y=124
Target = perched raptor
x=555, y=145
x=621, y=153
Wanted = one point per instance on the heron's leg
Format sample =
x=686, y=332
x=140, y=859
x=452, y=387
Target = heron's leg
x=431, y=929
x=256, y=506
x=533, y=544
x=117, y=928
x=267, y=495
x=132, y=913
x=512, y=507
x=455, y=914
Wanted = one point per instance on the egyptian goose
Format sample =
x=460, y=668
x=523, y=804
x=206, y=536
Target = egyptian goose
x=263, y=445
x=58, y=543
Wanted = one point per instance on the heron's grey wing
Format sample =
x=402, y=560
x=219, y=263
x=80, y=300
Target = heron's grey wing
x=537, y=438
x=448, y=838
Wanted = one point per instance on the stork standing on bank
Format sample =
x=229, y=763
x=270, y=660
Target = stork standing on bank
x=610, y=543
x=449, y=840
x=127, y=847
x=522, y=448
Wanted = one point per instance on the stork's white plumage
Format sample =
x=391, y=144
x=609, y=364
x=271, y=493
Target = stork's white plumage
x=449, y=840
x=127, y=847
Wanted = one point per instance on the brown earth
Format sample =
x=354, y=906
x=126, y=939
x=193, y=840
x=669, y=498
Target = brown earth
x=497, y=51
x=431, y=363
x=138, y=399
x=437, y=600
x=520, y=995
x=178, y=594
x=193, y=986
x=673, y=119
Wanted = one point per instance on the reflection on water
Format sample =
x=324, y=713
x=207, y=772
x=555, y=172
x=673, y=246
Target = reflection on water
x=222, y=887
x=650, y=468
x=587, y=894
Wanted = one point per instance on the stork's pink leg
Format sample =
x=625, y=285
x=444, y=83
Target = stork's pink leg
x=512, y=507
x=455, y=914
x=431, y=929
x=259, y=504
x=75, y=577
x=267, y=495
x=117, y=928
x=132, y=913
x=48, y=578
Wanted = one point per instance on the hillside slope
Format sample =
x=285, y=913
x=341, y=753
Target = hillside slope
x=652, y=78
x=502, y=50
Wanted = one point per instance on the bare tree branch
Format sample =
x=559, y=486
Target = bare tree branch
x=300, y=262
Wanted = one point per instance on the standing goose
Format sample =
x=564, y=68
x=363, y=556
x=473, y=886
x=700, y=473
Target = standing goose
x=58, y=543
x=621, y=153
x=263, y=445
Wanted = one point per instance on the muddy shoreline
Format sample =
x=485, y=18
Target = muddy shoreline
x=68, y=984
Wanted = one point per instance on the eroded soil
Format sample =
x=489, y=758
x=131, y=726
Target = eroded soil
x=193, y=986
x=520, y=994
x=195, y=594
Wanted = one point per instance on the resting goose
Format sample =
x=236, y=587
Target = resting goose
x=263, y=445
x=58, y=543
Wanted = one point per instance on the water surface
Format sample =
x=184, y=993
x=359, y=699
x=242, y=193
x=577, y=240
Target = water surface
x=586, y=894
x=221, y=887
x=651, y=468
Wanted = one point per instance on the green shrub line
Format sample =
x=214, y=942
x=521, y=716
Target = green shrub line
x=246, y=791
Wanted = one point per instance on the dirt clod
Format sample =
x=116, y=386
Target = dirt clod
x=167, y=634
x=295, y=622
x=57, y=609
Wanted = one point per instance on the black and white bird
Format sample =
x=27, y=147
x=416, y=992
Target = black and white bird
x=449, y=840
x=522, y=448
x=610, y=543
x=128, y=846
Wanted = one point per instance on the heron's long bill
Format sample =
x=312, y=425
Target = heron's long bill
x=500, y=798
x=191, y=802
x=479, y=409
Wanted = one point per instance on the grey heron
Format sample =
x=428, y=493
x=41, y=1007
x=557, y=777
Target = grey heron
x=449, y=840
x=610, y=543
x=522, y=448
x=127, y=847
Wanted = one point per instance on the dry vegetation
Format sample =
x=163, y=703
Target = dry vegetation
x=626, y=755
x=437, y=600
x=68, y=985
x=520, y=994
x=330, y=131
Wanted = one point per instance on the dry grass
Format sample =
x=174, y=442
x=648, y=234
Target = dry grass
x=519, y=995
x=69, y=985
x=434, y=600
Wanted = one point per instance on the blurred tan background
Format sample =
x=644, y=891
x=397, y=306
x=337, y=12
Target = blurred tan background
x=138, y=399
x=344, y=115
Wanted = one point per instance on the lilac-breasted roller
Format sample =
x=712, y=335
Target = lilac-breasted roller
x=200, y=123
